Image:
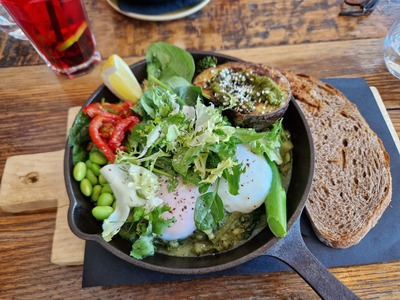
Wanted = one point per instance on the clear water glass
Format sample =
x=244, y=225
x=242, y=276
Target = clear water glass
x=391, y=49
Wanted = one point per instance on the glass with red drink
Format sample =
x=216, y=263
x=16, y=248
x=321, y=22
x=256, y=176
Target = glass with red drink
x=60, y=32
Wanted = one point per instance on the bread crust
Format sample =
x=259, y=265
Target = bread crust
x=352, y=185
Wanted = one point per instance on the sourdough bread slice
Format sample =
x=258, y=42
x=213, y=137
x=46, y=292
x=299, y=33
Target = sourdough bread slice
x=352, y=186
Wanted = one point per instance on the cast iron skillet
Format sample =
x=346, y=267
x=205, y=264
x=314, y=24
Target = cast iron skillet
x=290, y=249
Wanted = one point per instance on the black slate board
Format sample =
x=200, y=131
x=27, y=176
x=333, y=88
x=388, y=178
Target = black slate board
x=381, y=244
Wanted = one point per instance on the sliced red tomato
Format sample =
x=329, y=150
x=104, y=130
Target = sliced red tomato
x=120, y=128
x=109, y=124
x=97, y=108
x=94, y=131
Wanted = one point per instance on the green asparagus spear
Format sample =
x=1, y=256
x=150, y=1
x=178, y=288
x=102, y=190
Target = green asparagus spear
x=275, y=203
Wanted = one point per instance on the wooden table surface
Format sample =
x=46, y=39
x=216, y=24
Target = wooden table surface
x=304, y=36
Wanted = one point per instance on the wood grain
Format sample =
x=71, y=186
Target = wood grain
x=305, y=36
x=32, y=275
x=28, y=181
x=222, y=25
x=46, y=98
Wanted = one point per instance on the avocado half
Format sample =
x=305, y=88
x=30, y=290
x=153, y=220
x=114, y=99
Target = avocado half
x=256, y=118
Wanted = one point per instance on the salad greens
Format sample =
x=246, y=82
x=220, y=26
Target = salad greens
x=178, y=136
x=78, y=136
x=141, y=227
x=198, y=140
x=133, y=186
x=209, y=211
x=165, y=61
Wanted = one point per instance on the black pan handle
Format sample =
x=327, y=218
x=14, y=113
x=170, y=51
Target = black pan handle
x=293, y=251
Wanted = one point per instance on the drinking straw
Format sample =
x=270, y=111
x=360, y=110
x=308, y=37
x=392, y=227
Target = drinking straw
x=54, y=21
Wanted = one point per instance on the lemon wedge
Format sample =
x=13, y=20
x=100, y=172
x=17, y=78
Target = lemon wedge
x=73, y=39
x=120, y=80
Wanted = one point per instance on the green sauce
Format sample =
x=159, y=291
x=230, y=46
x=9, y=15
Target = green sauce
x=246, y=92
x=236, y=229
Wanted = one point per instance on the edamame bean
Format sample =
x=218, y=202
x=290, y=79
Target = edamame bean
x=96, y=169
x=98, y=158
x=105, y=199
x=102, y=179
x=86, y=187
x=79, y=171
x=114, y=205
x=92, y=178
x=106, y=188
x=102, y=212
x=89, y=164
x=96, y=192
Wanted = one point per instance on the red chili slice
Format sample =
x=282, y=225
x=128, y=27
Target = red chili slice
x=120, y=128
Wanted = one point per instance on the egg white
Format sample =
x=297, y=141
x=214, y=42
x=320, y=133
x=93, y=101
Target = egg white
x=254, y=185
x=182, y=202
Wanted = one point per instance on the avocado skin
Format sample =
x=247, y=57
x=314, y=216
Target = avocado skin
x=254, y=119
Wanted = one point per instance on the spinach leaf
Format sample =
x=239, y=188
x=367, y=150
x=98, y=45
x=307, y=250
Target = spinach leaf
x=165, y=61
x=79, y=132
x=79, y=153
x=78, y=137
x=208, y=212
x=187, y=92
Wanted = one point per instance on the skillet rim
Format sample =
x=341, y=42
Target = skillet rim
x=184, y=268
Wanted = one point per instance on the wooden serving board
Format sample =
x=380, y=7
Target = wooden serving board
x=35, y=182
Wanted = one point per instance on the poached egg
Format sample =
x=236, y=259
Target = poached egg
x=182, y=202
x=254, y=185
